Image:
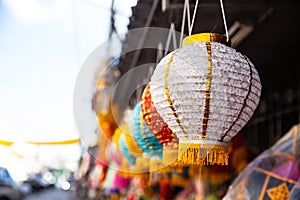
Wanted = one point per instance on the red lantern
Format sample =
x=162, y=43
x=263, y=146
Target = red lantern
x=153, y=120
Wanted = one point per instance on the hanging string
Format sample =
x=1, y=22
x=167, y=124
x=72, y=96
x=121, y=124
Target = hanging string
x=171, y=35
x=186, y=11
x=188, y=15
x=224, y=20
x=194, y=15
x=183, y=20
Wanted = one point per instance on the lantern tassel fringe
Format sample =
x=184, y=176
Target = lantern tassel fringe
x=202, y=154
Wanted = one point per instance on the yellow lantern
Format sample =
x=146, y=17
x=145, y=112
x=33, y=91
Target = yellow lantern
x=107, y=121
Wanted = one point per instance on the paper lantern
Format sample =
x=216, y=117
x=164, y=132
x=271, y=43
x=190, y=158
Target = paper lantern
x=153, y=120
x=128, y=147
x=142, y=135
x=206, y=92
x=107, y=120
x=133, y=163
x=125, y=151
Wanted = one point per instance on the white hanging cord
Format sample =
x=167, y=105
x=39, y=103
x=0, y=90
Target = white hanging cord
x=186, y=4
x=224, y=20
x=188, y=14
x=173, y=36
x=194, y=15
x=186, y=11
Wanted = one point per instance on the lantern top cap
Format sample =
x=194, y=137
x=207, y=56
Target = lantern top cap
x=205, y=37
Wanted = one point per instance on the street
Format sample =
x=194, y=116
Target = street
x=51, y=194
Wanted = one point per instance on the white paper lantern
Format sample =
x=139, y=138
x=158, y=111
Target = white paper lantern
x=206, y=92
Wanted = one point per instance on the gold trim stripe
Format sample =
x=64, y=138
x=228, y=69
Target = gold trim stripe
x=263, y=190
x=205, y=37
x=285, y=155
x=169, y=96
x=243, y=186
x=274, y=175
x=207, y=91
x=245, y=101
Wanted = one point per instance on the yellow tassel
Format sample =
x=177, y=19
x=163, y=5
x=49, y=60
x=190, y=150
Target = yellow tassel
x=202, y=154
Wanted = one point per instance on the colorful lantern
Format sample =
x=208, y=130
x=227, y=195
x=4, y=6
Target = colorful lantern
x=153, y=120
x=128, y=147
x=142, y=135
x=206, y=92
x=107, y=120
x=132, y=162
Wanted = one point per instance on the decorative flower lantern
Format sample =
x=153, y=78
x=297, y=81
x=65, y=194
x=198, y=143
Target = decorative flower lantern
x=153, y=120
x=142, y=135
x=120, y=159
x=206, y=92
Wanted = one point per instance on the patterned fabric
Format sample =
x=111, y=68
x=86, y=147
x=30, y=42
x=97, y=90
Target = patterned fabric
x=273, y=175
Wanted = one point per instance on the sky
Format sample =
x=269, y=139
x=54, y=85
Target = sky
x=43, y=44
